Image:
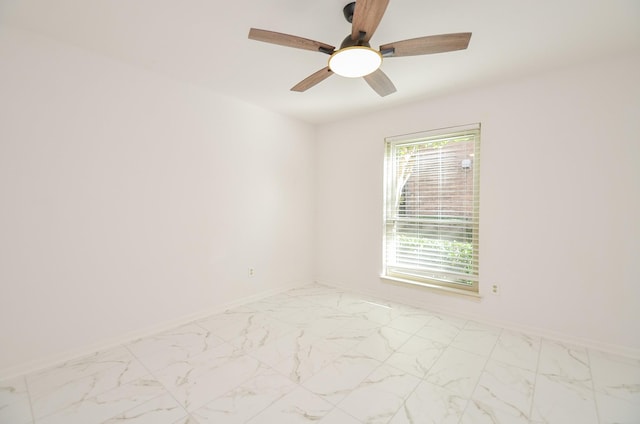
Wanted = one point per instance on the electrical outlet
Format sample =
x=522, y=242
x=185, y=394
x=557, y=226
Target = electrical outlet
x=251, y=272
x=495, y=290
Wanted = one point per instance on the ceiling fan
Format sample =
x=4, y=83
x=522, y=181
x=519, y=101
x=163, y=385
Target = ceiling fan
x=355, y=57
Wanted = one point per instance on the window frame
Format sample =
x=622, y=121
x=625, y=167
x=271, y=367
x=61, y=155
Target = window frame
x=392, y=192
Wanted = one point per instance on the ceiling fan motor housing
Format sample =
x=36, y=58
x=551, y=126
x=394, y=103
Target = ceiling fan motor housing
x=349, y=42
x=348, y=11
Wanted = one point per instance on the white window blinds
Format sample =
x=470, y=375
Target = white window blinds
x=432, y=207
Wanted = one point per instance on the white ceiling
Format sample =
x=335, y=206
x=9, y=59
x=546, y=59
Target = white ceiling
x=205, y=43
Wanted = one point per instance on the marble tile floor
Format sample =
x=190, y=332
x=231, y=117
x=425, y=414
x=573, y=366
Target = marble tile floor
x=321, y=355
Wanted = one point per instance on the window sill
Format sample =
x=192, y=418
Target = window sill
x=434, y=287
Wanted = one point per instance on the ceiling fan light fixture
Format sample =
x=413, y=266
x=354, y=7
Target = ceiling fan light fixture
x=355, y=61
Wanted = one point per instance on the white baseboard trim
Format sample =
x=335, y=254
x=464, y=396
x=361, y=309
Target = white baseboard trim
x=69, y=355
x=625, y=351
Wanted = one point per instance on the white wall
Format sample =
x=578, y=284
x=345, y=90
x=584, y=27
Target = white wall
x=129, y=200
x=560, y=202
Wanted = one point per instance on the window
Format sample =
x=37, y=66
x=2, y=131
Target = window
x=431, y=209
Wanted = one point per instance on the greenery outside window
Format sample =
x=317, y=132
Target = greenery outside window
x=431, y=208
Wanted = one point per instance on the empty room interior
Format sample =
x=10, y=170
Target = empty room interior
x=285, y=211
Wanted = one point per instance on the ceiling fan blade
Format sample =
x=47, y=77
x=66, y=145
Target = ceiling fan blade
x=312, y=80
x=427, y=45
x=380, y=82
x=289, y=40
x=366, y=17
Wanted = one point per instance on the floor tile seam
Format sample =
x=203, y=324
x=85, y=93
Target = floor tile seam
x=317, y=319
x=325, y=365
x=166, y=392
x=535, y=380
x=277, y=364
x=200, y=323
x=373, y=370
x=340, y=347
x=295, y=296
x=481, y=326
x=281, y=319
x=8, y=406
x=24, y=395
x=277, y=371
x=355, y=314
x=151, y=373
x=208, y=330
x=259, y=346
x=559, y=379
x=444, y=345
x=467, y=350
x=189, y=417
x=447, y=346
x=315, y=336
x=395, y=411
x=94, y=396
x=321, y=336
x=411, y=334
x=475, y=386
x=293, y=387
x=337, y=310
x=142, y=359
x=84, y=398
x=26, y=384
x=431, y=317
x=593, y=387
x=249, y=377
x=139, y=360
x=489, y=355
x=485, y=357
x=506, y=410
x=442, y=349
x=618, y=397
x=510, y=365
x=252, y=353
x=235, y=355
x=503, y=410
x=465, y=329
x=214, y=328
x=60, y=366
x=409, y=339
x=244, y=332
x=493, y=348
x=235, y=387
x=404, y=401
x=249, y=418
x=298, y=322
x=377, y=365
x=578, y=386
x=347, y=414
x=309, y=392
x=450, y=315
x=632, y=361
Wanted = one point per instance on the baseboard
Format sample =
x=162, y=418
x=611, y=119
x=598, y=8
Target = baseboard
x=625, y=351
x=43, y=363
